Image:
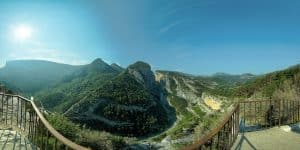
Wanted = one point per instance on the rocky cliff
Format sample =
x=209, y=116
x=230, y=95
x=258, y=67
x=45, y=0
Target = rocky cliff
x=131, y=103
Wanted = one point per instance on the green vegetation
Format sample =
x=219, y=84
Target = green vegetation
x=179, y=104
x=93, y=139
x=198, y=110
x=61, y=97
x=64, y=125
x=128, y=103
x=268, y=84
x=105, y=100
x=187, y=121
x=125, y=90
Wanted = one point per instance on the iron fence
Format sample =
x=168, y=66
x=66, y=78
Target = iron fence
x=23, y=115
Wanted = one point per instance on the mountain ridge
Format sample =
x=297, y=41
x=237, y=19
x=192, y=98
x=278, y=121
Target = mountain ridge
x=135, y=101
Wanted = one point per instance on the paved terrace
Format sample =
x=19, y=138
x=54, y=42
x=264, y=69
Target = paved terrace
x=11, y=140
x=283, y=138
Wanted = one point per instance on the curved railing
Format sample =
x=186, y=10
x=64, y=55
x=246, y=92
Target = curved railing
x=24, y=116
x=251, y=116
x=223, y=136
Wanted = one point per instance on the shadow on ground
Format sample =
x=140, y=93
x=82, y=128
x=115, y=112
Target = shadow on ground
x=11, y=140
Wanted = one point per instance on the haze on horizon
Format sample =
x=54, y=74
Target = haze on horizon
x=197, y=37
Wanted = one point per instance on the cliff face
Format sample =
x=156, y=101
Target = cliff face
x=193, y=90
x=143, y=74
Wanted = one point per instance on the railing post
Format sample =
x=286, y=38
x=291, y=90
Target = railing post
x=279, y=124
x=2, y=107
x=298, y=110
x=255, y=113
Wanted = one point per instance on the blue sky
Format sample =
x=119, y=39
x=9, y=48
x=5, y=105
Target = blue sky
x=193, y=36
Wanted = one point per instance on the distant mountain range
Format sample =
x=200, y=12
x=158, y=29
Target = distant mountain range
x=30, y=76
x=136, y=101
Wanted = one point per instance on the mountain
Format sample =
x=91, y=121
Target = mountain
x=228, y=79
x=5, y=88
x=131, y=103
x=76, y=86
x=218, y=84
x=117, y=67
x=284, y=83
x=30, y=76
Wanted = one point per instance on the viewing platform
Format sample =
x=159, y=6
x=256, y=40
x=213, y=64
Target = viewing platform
x=276, y=138
x=251, y=125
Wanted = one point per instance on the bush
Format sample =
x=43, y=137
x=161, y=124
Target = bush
x=63, y=125
x=85, y=137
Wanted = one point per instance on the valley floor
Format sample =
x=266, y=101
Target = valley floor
x=285, y=137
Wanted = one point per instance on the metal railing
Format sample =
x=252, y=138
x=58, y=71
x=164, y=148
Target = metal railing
x=251, y=116
x=256, y=115
x=23, y=115
x=223, y=136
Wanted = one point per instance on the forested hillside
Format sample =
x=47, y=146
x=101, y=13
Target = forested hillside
x=128, y=104
x=76, y=86
x=279, y=84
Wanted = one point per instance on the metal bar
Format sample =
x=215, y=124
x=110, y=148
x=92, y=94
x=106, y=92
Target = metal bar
x=255, y=113
x=35, y=127
x=293, y=111
x=55, y=144
x=25, y=114
x=2, y=107
x=279, y=117
x=6, y=110
x=298, y=110
x=218, y=140
x=18, y=103
x=12, y=110
x=270, y=104
x=245, y=114
x=288, y=112
x=21, y=119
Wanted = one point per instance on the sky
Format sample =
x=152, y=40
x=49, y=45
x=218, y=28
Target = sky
x=192, y=36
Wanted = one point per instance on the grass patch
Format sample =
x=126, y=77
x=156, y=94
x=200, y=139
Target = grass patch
x=198, y=110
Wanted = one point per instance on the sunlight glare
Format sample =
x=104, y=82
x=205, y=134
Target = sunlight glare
x=22, y=32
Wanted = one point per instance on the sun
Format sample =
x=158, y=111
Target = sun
x=22, y=32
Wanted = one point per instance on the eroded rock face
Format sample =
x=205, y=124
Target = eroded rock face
x=142, y=72
x=192, y=90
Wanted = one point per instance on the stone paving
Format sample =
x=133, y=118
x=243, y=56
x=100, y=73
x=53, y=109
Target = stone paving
x=11, y=140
